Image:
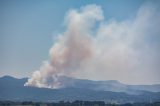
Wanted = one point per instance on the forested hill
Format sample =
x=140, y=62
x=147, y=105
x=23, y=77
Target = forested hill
x=13, y=89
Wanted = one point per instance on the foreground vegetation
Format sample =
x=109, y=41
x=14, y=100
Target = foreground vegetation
x=75, y=103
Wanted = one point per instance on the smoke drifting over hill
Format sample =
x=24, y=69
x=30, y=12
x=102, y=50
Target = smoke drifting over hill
x=95, y=48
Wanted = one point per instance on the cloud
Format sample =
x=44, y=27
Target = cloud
x=98, y=49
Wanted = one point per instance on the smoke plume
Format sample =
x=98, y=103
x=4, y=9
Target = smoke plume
x=94, y=48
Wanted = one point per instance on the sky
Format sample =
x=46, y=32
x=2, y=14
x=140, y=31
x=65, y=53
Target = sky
x=28, y=30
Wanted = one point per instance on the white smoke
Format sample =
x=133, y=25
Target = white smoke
x=93, y=48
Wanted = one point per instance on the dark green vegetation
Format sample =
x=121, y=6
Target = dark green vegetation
x=75, y=103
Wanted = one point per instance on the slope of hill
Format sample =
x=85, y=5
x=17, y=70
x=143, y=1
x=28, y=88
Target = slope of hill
x=13, y=89
x=109, y=85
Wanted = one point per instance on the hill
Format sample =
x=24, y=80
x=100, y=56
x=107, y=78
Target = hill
x=14, y=89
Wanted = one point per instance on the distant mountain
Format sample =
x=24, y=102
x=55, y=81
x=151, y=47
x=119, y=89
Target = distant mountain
x=109, y=85
x=77, y=89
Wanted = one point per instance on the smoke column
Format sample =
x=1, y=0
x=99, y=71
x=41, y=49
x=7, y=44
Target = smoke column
x=93, y=48
x=71, y=49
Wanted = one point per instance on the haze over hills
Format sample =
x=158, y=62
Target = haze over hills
x=109, y=85
x=77, y=89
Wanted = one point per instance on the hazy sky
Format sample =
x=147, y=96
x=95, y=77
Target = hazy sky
x=28, y=29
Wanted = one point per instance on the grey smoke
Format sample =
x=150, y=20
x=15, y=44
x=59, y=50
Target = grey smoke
x=114, y=50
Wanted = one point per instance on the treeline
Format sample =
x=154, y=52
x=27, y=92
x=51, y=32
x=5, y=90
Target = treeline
x=75, y=103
